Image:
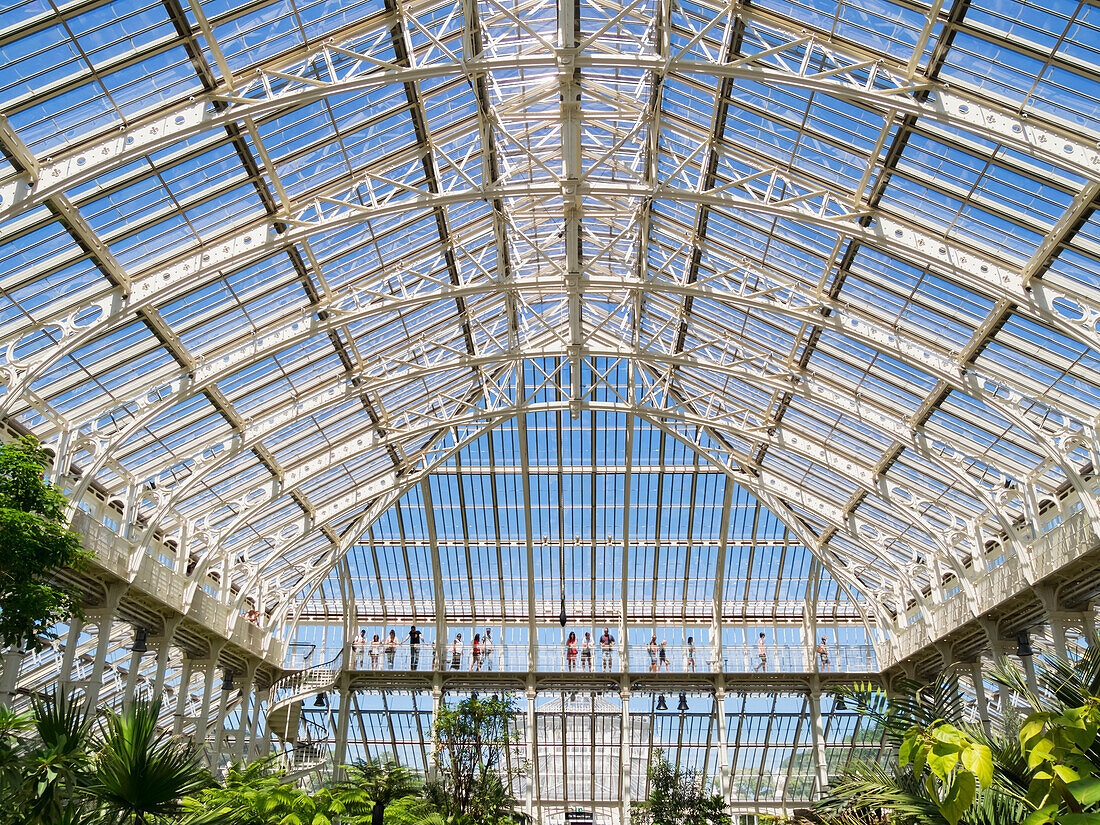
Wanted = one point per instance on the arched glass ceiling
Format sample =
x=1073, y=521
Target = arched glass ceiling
x=266, y=265
x=690, y=535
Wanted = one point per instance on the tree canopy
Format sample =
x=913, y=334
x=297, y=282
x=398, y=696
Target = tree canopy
x=678, y=798
x=34, y=541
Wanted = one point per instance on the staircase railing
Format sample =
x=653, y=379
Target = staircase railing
x=302, y=683
x=311, y=752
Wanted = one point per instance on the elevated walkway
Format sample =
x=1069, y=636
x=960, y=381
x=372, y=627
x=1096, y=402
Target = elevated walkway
x=1065, y=561
x=1005, y=598
x=155, y=592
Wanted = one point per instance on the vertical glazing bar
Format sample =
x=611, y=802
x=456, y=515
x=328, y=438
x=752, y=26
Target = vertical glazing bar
x=625, y=778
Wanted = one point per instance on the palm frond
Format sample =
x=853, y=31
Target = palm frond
x=869, y=788
x=139, y=771
x=61, y=722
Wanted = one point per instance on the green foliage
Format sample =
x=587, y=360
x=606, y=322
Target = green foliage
x=56, y=768
x=1040, y=770
x=1064, y=780
x=33, y=542
x=945, y=767
x=381, y=791
x=139, y=773
x=258, y=795
x=473, y=737
x=678, y=798
x=46, y=759
x=957, y=765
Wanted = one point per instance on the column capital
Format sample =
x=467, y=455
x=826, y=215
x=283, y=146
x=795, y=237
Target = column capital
x=1048, y=596
x=946, y=651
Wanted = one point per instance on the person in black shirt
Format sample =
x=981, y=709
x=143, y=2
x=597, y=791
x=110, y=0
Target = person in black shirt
x=414, y=647
x=607, y=645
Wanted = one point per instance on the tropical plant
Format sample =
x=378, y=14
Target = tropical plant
x=45, y=760
x=33, y=542
x=253, y=794
x=474, y=780
x=140, y=774
x=678, y=798
x=258, y=794
x=1044, y=768
x=58, y=768
x=380, y=786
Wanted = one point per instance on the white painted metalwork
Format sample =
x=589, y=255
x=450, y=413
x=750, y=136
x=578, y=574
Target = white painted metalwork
x=379, y=313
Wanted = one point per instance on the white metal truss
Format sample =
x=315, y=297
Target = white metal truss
x=257, y=313
x=865, y=78
x=85, y=324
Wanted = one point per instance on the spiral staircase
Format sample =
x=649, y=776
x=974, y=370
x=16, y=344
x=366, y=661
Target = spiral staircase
x=305, y=741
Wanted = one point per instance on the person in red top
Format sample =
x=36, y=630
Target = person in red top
x=571, y=651
x=475, y=662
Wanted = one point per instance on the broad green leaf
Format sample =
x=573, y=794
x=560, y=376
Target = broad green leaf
x=1085, y=791
x=943, y=759
x=1039, y=789
x=1040, y=753
x=959, y=797
x=1066, y=773
x=978, y=759
x=1042, y=816
x=1079, y=819
x=930, y=786
x=1072, y=717
x=919, y=759
x=1081, y=763
x=1085, y=734
x=905, y=752
x=1032, y=727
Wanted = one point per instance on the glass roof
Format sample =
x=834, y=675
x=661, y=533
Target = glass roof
x=559, y=296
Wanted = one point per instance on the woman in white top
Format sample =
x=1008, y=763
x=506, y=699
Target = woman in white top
x=487, y=649
x=586, y=653
x=375, y=651
x=456, y=652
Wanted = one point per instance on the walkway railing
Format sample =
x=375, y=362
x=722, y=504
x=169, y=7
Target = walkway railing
x=553, y=658
x=1008, y=576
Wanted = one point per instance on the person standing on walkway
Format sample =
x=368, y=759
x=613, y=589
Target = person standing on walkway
x=571, y=651
x=359, y=649
x=823, y=655
x=651, y=649
x=662, y=656
x=414, y=639
x=762, y=652
x=487, y=648
x=607, y=645
x=586, y=653
x=375, y=651
x=391, y=648
x=689, y=655
x=456, y=652
x=475, y=652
